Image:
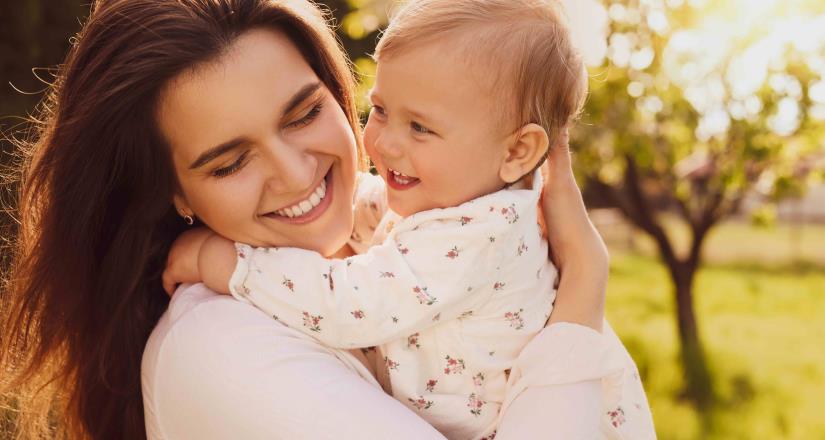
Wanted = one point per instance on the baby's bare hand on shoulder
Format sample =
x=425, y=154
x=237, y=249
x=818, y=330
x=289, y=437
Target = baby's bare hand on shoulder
x=182, y=261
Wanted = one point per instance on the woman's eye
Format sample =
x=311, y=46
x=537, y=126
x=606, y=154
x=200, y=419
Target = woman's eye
x=307, y=118
x=232, y=168
x=418, y=128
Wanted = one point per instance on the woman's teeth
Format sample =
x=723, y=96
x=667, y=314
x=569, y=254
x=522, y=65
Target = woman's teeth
x=305, y=206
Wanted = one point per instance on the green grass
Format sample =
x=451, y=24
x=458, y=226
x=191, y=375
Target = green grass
x=735, y=242
x=760, y=324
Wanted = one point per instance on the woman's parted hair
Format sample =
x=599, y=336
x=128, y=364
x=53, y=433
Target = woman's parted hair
x=95, y=213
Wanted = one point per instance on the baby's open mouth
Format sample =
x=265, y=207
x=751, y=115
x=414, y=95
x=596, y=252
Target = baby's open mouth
x=398, y=180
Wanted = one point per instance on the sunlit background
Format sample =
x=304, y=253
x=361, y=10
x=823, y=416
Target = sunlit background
x=702, y=155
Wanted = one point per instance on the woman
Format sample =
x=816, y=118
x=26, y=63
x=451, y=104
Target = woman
x=123, y=153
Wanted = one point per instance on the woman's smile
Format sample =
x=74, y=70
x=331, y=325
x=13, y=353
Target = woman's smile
x=310, y=207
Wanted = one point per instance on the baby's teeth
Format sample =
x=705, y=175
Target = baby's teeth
x=305, y=206
x=314, y=199
x=289, y=212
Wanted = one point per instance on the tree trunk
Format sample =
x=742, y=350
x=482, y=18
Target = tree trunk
x=698, y=384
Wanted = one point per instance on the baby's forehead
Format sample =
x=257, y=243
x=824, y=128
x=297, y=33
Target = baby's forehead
x=487, y=72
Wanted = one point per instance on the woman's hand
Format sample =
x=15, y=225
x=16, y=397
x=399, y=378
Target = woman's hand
x=577, y=248
x=182, y=262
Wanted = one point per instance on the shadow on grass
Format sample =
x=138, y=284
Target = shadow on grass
x=799, y=267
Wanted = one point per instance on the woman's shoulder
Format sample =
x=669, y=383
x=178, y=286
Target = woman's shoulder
x=195, y=313
x=211, y=331
x=211, y=354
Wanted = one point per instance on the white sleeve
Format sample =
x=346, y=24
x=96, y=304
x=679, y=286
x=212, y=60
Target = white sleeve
x=560, y=384
x=225, y=370
x=556, y=412
x=402, y=286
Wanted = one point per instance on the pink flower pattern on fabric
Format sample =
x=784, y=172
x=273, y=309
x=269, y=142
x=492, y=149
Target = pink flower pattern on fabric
x=391, y=364
x=423, y=296
x=312, y=321
x=412, y=341
x=452, y=253
x=616, y=417
x=510, y=214
x=430, y=386
x=454, y=366
x=288, y=284
x=420, y=403
x=475, y=403
x=515, y=319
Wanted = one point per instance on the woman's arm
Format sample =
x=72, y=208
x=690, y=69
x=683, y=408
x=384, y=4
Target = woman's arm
x=222, y=369
x=557, y=390
x=578, y=249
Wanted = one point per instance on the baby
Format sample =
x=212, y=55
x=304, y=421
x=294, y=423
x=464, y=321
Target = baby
x=454, y=280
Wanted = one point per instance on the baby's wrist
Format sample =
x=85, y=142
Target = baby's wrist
x=216, y=263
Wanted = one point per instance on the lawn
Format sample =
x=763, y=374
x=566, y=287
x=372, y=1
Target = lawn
x=760, y=308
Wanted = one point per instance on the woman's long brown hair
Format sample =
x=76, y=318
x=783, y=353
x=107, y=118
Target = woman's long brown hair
x=95, y=215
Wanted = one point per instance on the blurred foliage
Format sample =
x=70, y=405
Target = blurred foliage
x=698, y=105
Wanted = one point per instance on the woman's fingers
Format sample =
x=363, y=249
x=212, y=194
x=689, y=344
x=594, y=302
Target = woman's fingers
x=576, y=247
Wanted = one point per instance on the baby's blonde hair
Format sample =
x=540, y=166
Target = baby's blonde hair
x=524, y=46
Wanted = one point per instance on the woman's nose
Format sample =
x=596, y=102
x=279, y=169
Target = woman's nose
x=293, y=168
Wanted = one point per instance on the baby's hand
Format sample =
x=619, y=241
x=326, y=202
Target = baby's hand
x=182, y=262
x=216, y=263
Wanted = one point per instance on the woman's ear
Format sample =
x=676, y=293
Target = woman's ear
x=181, y=205
x=525, y=153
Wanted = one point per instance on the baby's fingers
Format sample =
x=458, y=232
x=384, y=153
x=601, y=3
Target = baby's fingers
x=168, y=282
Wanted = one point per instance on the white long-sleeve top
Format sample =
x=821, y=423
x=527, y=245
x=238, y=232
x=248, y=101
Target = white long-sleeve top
x=216, y=368
x=451, y=297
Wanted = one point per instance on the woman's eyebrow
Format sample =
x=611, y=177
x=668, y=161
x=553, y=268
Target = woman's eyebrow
x=214, y=152
x=300, y=96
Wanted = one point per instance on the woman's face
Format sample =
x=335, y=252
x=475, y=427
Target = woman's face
x=263, y=152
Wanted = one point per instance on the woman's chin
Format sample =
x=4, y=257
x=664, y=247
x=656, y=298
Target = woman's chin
x=335, y=248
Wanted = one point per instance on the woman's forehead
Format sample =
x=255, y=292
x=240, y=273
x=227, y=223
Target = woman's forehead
x=241, y=93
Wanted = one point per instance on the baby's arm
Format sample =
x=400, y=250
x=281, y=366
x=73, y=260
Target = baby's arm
x=402, y=286
x=182, y=261
x=216, y=262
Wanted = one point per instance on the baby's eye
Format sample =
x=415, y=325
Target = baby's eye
x=378, y=110
x=418, y=128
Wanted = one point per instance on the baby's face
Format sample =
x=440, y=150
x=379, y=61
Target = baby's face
x=433, y=132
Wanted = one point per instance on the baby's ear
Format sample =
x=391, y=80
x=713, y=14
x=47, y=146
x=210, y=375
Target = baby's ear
x=527, y=150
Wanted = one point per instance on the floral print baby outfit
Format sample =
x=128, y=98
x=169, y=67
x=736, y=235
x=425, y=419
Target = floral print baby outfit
x=448, y=296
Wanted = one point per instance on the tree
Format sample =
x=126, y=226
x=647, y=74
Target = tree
x=693, y=113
